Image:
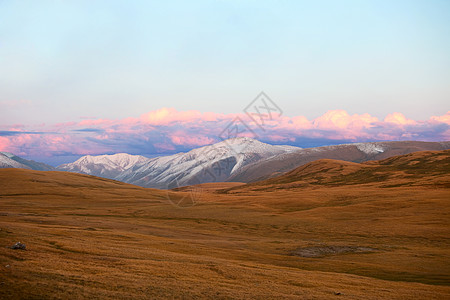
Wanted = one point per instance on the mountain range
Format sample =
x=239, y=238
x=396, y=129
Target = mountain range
x=213, y=163
x=234, y=160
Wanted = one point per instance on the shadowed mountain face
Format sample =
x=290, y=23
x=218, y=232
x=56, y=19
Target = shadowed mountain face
x=360, y=152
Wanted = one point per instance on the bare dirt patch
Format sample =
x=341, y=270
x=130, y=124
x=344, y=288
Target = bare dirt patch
x=320, y=251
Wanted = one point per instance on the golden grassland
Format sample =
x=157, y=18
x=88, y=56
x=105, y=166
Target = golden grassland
x=89, y=237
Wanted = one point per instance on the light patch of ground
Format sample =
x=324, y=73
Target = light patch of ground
x=320, y=251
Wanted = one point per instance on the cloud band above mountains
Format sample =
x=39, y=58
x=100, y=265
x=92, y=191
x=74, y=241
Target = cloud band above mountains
x=167, y=131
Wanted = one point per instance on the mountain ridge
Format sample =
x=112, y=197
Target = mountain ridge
x=209, y=163
x=356, y=152
x=235, y=160
x=10, y=160
x=423, y=168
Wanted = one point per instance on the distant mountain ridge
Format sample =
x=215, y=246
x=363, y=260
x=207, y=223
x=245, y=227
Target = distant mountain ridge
x=423, y=168
x=206, y=164
x=9, y=160
x=234, y=160
x=357, y=152
x=107, y=166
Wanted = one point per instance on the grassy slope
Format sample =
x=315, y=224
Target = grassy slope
x=425, y=168
x=96, y=238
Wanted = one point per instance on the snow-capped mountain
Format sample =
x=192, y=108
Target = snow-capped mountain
x=211, y=163
x=9, y=160
x=239, y=159
x=108, y=166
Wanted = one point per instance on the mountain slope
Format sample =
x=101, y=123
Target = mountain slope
x=233, y=160
x=213, y=163
x=9, y=160
x=358, y=152
x=424, y=168
x=107, y=166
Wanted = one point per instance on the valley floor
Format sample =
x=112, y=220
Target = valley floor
x=88, y=237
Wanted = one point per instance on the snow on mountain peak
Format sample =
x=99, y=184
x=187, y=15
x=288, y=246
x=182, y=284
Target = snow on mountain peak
x=209, y=163
x=7, y=161
x=122, y=160
x=109, y=166
x=8, y=154
x=244, y=145
x=370, y=148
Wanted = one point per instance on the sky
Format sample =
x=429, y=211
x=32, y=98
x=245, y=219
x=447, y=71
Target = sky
x=158, y=77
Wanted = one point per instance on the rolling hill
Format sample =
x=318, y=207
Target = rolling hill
x=424, y=168
x=318, y=232
x=358, y=152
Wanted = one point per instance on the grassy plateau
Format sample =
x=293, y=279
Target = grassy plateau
x=328, y=229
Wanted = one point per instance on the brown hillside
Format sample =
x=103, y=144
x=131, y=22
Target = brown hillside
x=88, y=237
x=279, y=165
x=425, y=168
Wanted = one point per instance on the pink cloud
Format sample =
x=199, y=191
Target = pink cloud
x=169, y=130
x=280, y=138
x=164, y=146
x=399, y=119
x=95, y=122
x=166, y=116
x=442, y=119
x=5, y=144
x=301, y=122
x=340, y=119
x=180, y=138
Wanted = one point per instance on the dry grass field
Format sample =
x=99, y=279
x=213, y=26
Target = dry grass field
x=329, y=229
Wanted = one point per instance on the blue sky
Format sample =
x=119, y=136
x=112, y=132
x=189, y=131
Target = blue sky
x=62, y=60
x=160, y=77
